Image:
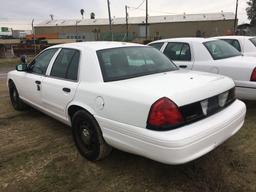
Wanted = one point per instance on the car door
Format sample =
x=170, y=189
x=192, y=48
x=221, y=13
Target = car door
x=180, y=54
x=59, y=86
x=32, y=79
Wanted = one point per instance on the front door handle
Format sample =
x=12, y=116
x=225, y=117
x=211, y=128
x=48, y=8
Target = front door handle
x=183, y=66
x=38, y=83
x=67, y=90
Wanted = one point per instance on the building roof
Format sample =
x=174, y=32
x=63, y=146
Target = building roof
x=16, y=24
x=141, y=20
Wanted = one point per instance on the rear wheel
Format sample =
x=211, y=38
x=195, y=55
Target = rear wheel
x=17, y=103
x=88, y=137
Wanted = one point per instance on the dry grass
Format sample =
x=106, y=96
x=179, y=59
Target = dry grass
x=10, y=63
x=37, y=154
x=7, y=63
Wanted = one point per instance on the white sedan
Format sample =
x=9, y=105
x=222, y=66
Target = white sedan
x=214, y=56
x=244, y=44
x=130, y=97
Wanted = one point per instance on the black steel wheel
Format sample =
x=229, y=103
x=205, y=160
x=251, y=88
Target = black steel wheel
x=88, y=137
x=17, y=103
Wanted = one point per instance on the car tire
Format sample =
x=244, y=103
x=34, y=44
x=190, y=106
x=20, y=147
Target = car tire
x=88, y=137
x=16, y=101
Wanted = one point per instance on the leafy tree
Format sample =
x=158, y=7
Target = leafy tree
x=251, y=11
x=82, y=13
x=92, y=15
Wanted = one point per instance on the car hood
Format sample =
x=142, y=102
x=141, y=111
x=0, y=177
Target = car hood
x=182, y=87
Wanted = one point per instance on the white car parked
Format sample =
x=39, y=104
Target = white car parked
x=130, y=97
x=214, y=56
x=244, y=44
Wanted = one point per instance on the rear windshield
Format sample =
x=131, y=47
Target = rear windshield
x=235, y=43
x=253, y=40
x=129, y=62
x=220, y=49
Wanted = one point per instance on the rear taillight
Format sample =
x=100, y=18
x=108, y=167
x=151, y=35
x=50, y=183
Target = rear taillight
x=164, y=115
x=253, y=76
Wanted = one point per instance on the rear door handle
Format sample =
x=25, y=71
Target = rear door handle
x=38, y=82
x=67, y=90
x=183, y=66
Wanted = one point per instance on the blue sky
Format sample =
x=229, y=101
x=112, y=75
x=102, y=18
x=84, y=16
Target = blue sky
x=41, y=9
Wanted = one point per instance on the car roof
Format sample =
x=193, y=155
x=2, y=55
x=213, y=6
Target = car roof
x=97, y=45
x=185, y=39
x=235, y=37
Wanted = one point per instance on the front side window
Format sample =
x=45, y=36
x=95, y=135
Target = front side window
x=235, y=43
x=40, y=64
x=178, y=51
x=129, y=62
x=66, y=64
x=157, y=45
x=220, y=49
x=253, y=40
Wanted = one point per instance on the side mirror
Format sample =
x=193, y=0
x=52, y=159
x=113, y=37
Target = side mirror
x=22, y=67
x=23, y=59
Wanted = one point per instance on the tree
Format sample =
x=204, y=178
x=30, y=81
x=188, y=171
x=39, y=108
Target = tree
x=82, y=13
x=92, y=15
x=251, y=11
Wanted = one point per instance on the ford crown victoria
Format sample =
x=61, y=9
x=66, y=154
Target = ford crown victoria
x=130, y=97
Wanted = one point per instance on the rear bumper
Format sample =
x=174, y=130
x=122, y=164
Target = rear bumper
x=177, y=146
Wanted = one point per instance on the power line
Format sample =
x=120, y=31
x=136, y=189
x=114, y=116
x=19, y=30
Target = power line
x=156, y=11
x=140, y=4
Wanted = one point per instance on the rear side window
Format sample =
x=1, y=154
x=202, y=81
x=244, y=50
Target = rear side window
x=157, y=45
x=66, y=64
x=235, y=43
x=253, y=40
x=178, y=51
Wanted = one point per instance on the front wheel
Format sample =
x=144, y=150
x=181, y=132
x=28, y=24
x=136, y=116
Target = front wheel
x=17, y=103
x=88, y=137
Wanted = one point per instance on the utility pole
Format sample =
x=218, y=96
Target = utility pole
x=146, y=19
x=76, y=30
x=235, y=22
x=33, y=31
x=110, y=20
x=126, y=19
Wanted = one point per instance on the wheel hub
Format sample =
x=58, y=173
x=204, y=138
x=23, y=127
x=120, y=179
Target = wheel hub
x=86, y=135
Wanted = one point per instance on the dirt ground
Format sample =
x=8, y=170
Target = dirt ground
x=37, y=153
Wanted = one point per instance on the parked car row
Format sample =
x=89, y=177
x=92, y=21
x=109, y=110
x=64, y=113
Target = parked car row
x=134, y=98
x=213, y=56
x=244, y=44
